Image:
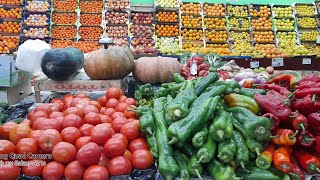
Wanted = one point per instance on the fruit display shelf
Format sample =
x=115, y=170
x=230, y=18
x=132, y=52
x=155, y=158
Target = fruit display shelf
x=65, y=5
x=117, y=17
x=31, y=19
x=64, y=18
x=85, y=46
x=166, y=4
x=11, y=13
x=91, y=6
x=244, y=35
x=117, y=5
x=63, y=32
x=168, y=45
x=238, y=23
x=261, y=23
x=8, y=44
x=167, y=16
x=264, y=37
x=90, y=32
x=214, y=10
x=117, y=26
x=282, y=11
x=222, y=49
x=305, y=10
x=308, y=35
x=258, y=10
x=216, y=23
x=285, y=24
x=10, y=27
x=190, y=8
x=287, y=37
x=307, y=22
x=191, y=21
x=216, y=36
x=237, y=10
x=91, y=19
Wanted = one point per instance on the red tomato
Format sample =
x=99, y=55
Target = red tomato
x=64, y=152
x=82, y=141
x=119, y=166
x=118, y=122
x=105, y=118
x=131, y=101
x=142, y=159
x=112, y=103
x=122, y=98
x=53, y=171
x=74, y=110
x=75, y=101
x=138, y=144
x=82, y=95
x=44, y=108
x=74, y=171
x=103, y=161
x=72, y=120
x=117, y=114
x=19, y=132
x=85, y=129
x=37, y=115
x=33, y=169
x=131, y=130
x=97, y=105
x=121, y=107
x=57, y=100
x=83, y=103
x=108, y=111
x=35, y=134
x=113, y=92
x=70, y=134
x=67, y=104
x=92, y=118
x=89, y=154
x=102, y=101
x=90, y=108
x=67, y=96
x=26, y=122
x=9, y=172
x=122, y=137
x=129, y=112
x=44, y=124
x=6, y=128
x=27, y=145
x=48, y=140
x=7, y=147
x=54, y=115
x=128, y=155
x=30, y=114
x=56, y=107
x=96, y=172
x=101, y=133
x=114, y=147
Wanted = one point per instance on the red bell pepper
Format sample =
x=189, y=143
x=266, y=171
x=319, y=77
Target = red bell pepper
x=305, y=92
x=284, y=80
x=317, y=144
x=308, y=84
x=314, y=123
x=307, y=161
x=285, y=137
x=298, y=121
x=285, y=99
x=305, y=139
x=296, y=173
x=281, y=159
x=310, y=78
x=279, y=89
x=274, y=120
x=305, y=105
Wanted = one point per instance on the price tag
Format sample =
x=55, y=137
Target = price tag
x=193, y=68
x=306, y=61
x=277, y=62
x=254, y=64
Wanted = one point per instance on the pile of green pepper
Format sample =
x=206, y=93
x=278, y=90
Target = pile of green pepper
x=205, y=126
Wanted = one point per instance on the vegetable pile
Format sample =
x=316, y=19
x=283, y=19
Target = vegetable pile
x=77, y=138
x=205, y=126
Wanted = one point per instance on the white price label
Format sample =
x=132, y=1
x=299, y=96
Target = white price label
x=193, y=68
x=306, y=61
x=277, y=62
x=254, y=64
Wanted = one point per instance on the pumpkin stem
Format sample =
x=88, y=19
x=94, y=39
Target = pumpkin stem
x=171, y=73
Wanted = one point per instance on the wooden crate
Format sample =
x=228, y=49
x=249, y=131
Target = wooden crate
x=80, y=83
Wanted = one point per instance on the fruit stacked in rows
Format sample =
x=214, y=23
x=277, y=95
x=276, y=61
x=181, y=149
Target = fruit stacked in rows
x=262, y=23
x=285, y=24
x=290, y=36
x=10, y=27
x=309, y=35
x=216, y=36
x=259, y=11
x=283, y=12
x=90, y=19
x=215, y=23
x=117, y=31
x=117, y=5
x=90, y=32
x=36, y=33
x=220, y=49
x=240, y=36
x=37, y=6
x=37, y=20
x=307, y=22
x=167, y=30
x=144, y=42
x=210, y=45
x=243, y=48
x=237, y=11
x=14, y=13
x=167, y=3
x=7, y=43
x=114, y=17
x=190, y=21
x=64, y=18
x=65, y=6
x=91, y=6
x=142, y=31
x=263, y=36
x=84, y=46
x=65, y=32
x=121, y=42
x=270, y=50
x=169, y=17
x=305, y=10
x=238, y=23
x=192, y=34
x=190, y=8
x=10, y=2
x=191, y=44
x=168, y=45
x=214, y=9
x=142, y=18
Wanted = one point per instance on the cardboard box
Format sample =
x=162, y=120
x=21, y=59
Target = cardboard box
x=9, y=76
x=14, y=95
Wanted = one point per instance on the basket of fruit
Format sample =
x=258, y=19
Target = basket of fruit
x=306, y=35
x=218, y=23
x=237, y=10
x=244, y=35
x=166, y=4
x=144, y=18
x=124, y=41
x=8, y=44
x=63, y=32
x=117, y=4
x=10, y=13
x=307, y=22
x=36, y=33
x=117, y=17
x=91, y=6
x=65, y=5
x=216, y=36
x=285, y=24
x=305, y=10
x=64, y=18
x=36, y=20
x=190, y=8
x=145, y=42
x=191, y=21
x=37, y=5
x=282, y=11
x=261, y=23
x=167, y=30
x=191, y=34
x=258, y=10
x=264, y=37
x=90, y=19
x=90, y=32
x=142, y=31
x=117, y=31
x=168, y=16
x=10, y=27
x=238, y=23
x=214, y=10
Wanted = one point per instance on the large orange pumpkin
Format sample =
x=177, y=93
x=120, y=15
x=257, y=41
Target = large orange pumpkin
x=112, y=63
x=155, y=69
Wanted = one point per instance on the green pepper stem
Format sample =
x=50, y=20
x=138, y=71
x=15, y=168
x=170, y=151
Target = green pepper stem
x=314, y=98
x=295, y=115
x=201, y=159
x=220, y=134
x=276, y=136
x=262, y=162
x=257, y=151
x=260, y=131
x=294, y=175
x=309, y=139
x=198, y=174
x=317, y=170
x=149, y=130
x=286, y=102
x=294, y=135
x=302, y=127
x=243, y=167
x=292, y=94
x=177, y=112
x=173, y=140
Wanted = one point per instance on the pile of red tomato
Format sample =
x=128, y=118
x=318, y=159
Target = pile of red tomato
x=86, y=139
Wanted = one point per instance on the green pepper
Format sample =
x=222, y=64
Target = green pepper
x=147, y=125
x=250, y=92
x=227, y=150
x=183, y=130
x=221, y=128
x=215, y=91
x=278, y=173
x=242, y=153
x=141, y=110
x=179, y=106
x=176, y=87
x=256, y=126
x=221, y=171
x=3, y=118
x=167, y=115
x=232, y=86
x=167, y=164
x=238, y=100
x=138, y=95
x=161, y=92
x=200, y=137
x=4, y=105
x=254, y=173
x=182, y=161
x=166, y=85
x=178, y=78
x=194, y=166
x=188, y=149
x=205, y=82
x=153, y=146
x=207, y=152
x=146, y=90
